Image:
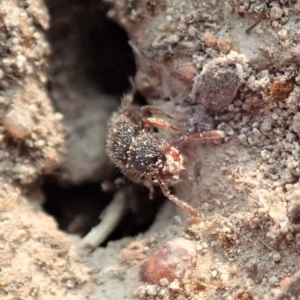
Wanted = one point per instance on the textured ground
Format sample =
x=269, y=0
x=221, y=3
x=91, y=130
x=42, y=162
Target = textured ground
x=233, y=67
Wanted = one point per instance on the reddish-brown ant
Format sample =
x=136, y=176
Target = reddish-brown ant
x=143, y=155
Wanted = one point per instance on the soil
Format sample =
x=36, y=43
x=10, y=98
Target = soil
x=209, y=65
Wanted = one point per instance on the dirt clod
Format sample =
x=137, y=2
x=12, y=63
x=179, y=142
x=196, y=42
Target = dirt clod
x=217, y=84
x=18, y=123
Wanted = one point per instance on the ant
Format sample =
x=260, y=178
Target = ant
x=143, y=155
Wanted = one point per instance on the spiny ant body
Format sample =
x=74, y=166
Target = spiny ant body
x=145, y=157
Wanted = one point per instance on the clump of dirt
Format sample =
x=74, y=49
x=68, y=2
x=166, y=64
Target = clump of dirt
x=32, y=136
x=217, y=84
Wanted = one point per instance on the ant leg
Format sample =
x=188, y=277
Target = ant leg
x=150, y=122
x=147, y=110
x=146, y=182
x=183, y=205
x=204, y=136
x=126, y=101
x=158, y=123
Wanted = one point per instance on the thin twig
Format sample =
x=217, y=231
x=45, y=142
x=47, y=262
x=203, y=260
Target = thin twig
x=268, y=246
x=249, y=29
x=112, y=216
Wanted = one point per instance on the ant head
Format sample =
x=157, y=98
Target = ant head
x=173, y=163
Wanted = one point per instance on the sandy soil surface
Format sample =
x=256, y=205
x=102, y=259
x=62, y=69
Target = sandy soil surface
x=226, y=65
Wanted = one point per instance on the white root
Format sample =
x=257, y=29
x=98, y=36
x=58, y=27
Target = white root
x=111, y=218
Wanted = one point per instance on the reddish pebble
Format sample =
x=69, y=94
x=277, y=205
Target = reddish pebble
x=209, y=39
x=173, y=260
x=285, y=282
x=192, y=30
x=188, y=73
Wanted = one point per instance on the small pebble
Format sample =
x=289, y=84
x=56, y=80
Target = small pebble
x=164, y=282
x=172, y=39
x=225, y=44
x=224, y=277
x=169, y=18
x=174, y=285
x=188, y=73
x=18, y=123
x=192, y=30
x=276, y=13
x=209, y=39
x=266, y=125
x=283, y=34
x=277, y=257
x=3, y=101
x=151, y=290
x=173, y=260
x=214, y=273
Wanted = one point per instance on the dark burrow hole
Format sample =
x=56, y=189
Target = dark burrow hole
x=77, y=208
x=88, y=49
x=89, y=45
